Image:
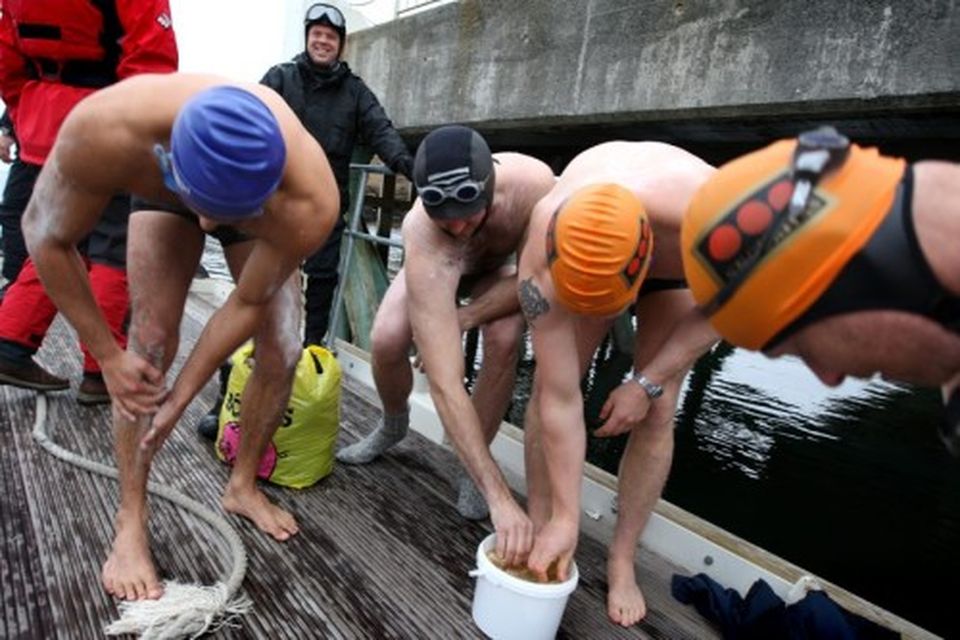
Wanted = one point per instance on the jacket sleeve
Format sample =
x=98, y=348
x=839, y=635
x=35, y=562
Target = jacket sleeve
x=149, y=44
x=378, y=132
x=13, y=69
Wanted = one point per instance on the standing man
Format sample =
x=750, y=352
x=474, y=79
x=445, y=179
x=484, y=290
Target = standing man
x=14, y=202
x=199, y=154
x=459, y=239
x=54, y=53
x=614, y=214
x=848, y=260
x=338, y=109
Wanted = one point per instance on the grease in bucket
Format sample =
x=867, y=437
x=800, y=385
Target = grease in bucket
x=523, y=572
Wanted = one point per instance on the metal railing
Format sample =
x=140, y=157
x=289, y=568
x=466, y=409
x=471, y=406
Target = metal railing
x=352, y=232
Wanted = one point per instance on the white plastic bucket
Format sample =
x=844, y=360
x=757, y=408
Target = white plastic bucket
x=509, y=608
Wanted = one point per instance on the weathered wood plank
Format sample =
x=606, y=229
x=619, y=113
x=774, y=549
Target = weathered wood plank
x=382, y=552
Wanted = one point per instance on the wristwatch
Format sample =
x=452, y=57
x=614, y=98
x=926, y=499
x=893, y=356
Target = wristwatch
x=652, y=389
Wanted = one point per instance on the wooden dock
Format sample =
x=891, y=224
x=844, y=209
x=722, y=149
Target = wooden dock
x=382, y=552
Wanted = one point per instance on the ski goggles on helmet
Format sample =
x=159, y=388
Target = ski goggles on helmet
x=465, y=191
x=325, y=12
x=818, y=153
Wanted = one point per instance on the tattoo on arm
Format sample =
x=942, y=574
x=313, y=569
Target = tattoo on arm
x=532, y=301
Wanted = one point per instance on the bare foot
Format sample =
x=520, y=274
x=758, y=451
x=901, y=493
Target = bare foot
x=254, y=505
x=129, y=573
x=625, y=603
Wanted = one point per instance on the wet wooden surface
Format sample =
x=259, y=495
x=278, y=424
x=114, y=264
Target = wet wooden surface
x=382, y=552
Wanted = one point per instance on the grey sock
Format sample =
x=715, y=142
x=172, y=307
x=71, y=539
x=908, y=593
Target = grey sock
x=389, y=432
x=471, y=503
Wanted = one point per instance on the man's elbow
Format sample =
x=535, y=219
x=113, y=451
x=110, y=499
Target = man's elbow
x=34, y=230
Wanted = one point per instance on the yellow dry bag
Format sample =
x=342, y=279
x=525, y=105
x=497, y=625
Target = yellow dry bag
x=301, y=451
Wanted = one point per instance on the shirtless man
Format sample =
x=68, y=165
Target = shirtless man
x=613, y=215
x=855, y=267
x=204, y=152
x=460, y=236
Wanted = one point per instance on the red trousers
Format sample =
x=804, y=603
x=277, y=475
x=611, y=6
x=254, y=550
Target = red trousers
x=27, y=313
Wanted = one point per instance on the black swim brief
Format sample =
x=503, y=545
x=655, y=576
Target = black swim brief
x=653, y=285
x=226, y=234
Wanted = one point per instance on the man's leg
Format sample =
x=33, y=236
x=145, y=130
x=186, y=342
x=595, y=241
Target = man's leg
x=492, y=393
x=163, y=254
x=276, y=353
x=25, y=316
x=646, y=461
x=16, y=194
x=643, y=471
x=391, y=338
x=321, y=276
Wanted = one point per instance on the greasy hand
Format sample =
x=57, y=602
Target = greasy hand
x=464, y=318
x=514, y=532
x=136, y=387
x=418, y=363
x=624, y=409
x=161, y=425
x=6, y=149
x=556, y=541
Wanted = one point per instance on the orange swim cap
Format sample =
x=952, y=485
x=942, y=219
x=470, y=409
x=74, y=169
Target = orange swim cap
x=730, y=213
x=599, y=244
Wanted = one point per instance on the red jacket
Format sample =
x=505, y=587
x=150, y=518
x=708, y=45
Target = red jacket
x=53, y=53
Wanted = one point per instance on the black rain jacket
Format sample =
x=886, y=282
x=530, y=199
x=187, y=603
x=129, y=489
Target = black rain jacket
x=339, y=109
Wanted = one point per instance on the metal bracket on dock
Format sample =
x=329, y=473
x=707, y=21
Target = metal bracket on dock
x=353, y=232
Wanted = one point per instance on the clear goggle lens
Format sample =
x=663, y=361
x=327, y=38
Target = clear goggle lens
x=465, y=192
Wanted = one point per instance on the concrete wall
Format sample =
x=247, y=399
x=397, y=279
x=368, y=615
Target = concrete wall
x=521, y=63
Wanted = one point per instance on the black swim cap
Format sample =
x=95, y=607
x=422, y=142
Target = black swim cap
x=453, y=173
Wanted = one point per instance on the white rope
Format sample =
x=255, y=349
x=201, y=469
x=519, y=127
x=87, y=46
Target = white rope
x=184, y=610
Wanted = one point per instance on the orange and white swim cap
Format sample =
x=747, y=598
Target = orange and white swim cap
x=599, y=244
x=728, y=219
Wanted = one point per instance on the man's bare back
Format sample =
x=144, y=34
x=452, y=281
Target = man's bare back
x=140, y=113
x=664, y=177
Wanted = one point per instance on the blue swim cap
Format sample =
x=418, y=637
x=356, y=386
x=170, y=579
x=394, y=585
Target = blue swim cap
x=226, y=153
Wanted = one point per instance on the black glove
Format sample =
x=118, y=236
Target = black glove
x=405, y=167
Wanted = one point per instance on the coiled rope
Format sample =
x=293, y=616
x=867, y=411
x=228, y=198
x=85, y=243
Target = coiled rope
x=184, y=610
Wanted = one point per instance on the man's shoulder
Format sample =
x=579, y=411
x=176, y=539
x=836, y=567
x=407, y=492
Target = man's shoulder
x=521, y=164
x=287, y=66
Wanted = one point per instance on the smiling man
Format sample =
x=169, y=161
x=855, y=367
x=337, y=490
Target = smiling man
x=460, y=240
x=198, y=153
x=338, y=109
x=835, y=253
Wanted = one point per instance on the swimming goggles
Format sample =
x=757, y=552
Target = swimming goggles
x=331, y=14
x=818, y=153
x=463, y=190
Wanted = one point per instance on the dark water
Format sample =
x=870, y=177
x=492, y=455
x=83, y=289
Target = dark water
x=850, y=483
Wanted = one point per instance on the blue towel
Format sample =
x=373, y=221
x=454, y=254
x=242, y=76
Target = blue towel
x=762, y=614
